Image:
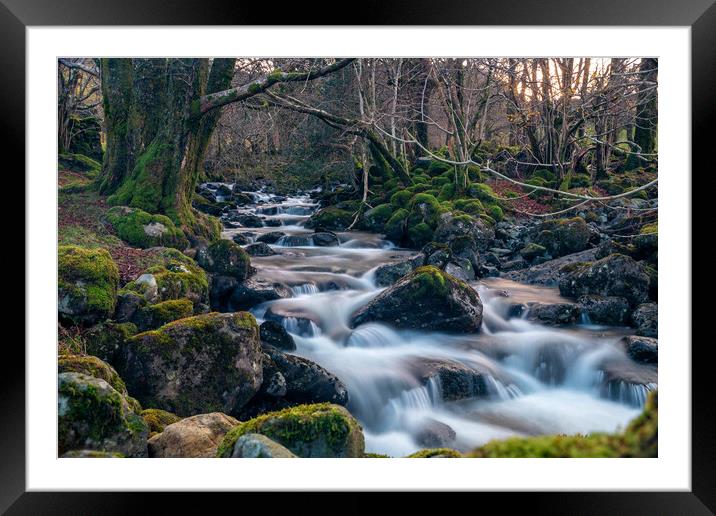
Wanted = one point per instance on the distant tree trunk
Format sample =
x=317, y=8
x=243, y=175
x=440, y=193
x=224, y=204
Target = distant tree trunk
x=156, y=137
x=646, y=109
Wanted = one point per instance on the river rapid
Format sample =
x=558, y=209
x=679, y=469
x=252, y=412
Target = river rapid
x=540, y=379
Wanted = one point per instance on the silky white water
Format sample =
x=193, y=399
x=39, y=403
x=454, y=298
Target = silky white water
x=539, y=379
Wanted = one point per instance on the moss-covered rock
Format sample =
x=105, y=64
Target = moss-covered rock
x=452, y=225
x=317, y=430
x=436, y=453
x=142, y=229
x=495, y=212
x=375, y=218
x=426, y=299
x=330, y=218
x=154, y=316
x=157, y=420
x=564, y=236
x=395, y=226
x=469, y=206
x=640, y=439
x=482, y=192
x=77, y=162
x=532, y=251
x=401, y=199
x=105, y=340
x=176, y=277
x=91, y=366
x=91, y=454
x=94, y=416
x=87, y=284
x=206, y=363
x=226, y=258
x=419, y=234
x=616, y=275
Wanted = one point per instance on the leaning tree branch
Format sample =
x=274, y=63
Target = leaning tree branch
x=78, y=66
x=221, y=98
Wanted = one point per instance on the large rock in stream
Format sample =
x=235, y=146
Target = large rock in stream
x=206, y=363
x=426, y=299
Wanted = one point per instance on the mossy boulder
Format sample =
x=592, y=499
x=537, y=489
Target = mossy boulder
x=564, y=236
x=616, y=275
x=206, y=363
x=482, y=192
x=91, y=454
x=192, y=437
x=375, y=218
x=452, y=225
x=87, y=284
x=94, y=416
x=426, y=299
x=330, y=218
x=78, y=162
x=401, y=199
x=394, y=228
x=640, y=439
x=142, y=229
x=106, y=340
x=532, y=251
x=91, y=366
x=226, y=258
x=317, y=430
x=436, y=453
x=175, y=275
x=419, y=234
x=154, y=316
x=158, y=419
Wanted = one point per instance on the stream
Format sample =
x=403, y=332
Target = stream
x=539, y=379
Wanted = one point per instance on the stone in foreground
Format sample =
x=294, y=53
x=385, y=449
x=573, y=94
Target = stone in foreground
x=257, y=446
x=319, y=430
x=195, y=436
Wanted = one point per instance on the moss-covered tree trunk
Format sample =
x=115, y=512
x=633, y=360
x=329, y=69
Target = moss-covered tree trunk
x=156, y=135
x=646, y=109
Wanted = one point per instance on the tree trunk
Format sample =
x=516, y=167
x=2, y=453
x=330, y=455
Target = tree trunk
x=156, y=139
x=646, y=109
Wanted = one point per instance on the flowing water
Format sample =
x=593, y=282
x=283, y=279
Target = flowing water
x=538, y=379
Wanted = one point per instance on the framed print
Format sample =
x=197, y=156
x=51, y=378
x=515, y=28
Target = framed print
x=425, y=237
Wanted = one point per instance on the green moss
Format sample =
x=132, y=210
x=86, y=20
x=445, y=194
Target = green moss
x=154, y=316
x=447, y=192
x=91, y=366
x=144, y=230
x=79, y=163
x=401, y=199
x=331, y=218
x=157, y=420
x=469, y=206
x=640, y=439
x=177, y=276
x=420, y=234
x=314, y=430
x=433, y=453
x=430, y=281
x=495, y=212
x=482, y=192
x=546, y=175
x=375, y=456
x=87, y=283
x=375, y=218
x=440, y=181
x=649, y=229
x=564, y=236
x=395, y=225
x=227, y=258
x=437, y=168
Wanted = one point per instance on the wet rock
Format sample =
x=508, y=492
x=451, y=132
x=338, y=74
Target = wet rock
x=553, y=314
x=94, y=416
x=434, y=434
x=325, y=239
x=226, y=258
x=532, y=251
x=271, y=238
x=388, y=274
x=616, y=275
x=209, y=362
x=646, y=320
x=549, y=273
x=257, y=446
x=255, y=291
x=298, y=322
x=259, y=249
x=128, y=303
x=195, y=436
x=564, y=236
x=426, y=299
x=450, y=226
x=220, y=291
x=605, y=309
x=274, y=334
x=320, y=430
x=91, y=454
x=247, y=220
x=641, y=349
x=240, y=239
x=456, y=381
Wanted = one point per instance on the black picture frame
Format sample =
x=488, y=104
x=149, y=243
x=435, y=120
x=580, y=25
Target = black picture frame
x=700, y=15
